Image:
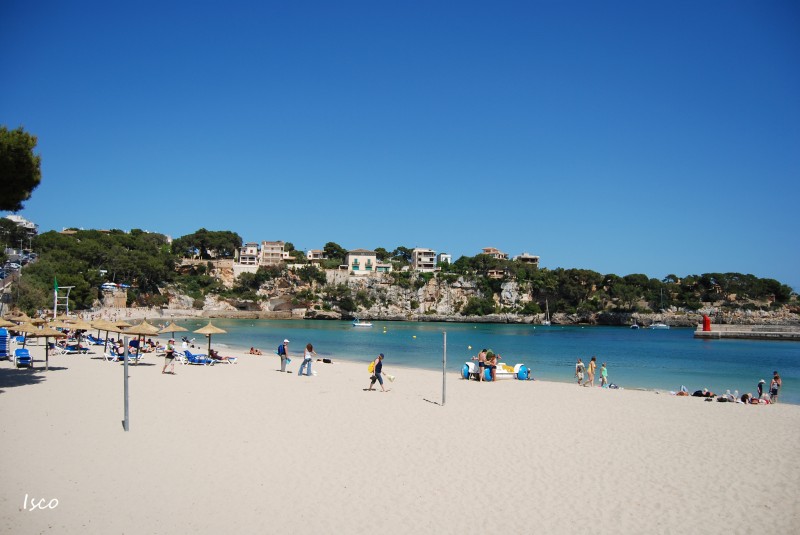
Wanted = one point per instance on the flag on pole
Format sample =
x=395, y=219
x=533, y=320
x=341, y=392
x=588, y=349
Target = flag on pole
x=55, y=286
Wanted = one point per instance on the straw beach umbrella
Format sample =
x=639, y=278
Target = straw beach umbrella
x=77, y=324
x=19, y=317
x=26, y=328
x=6, y=323
x=173, y=328
x=142, y=329
x=107, y=326
x=46, y=332
x=209, y=330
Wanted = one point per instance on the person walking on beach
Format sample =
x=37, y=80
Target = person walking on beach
x=169, y=358
x=377, y=371
x=603, y=376
x=579, y=367
x=307, y=360
x=283, y=353
x=590, y=372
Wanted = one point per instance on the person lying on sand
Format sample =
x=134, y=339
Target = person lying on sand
x=254, y=351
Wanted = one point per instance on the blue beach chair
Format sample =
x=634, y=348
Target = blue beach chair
x=200, y=359
x=22, y=357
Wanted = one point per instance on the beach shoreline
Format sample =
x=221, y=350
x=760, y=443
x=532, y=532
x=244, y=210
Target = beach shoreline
x=246, y=448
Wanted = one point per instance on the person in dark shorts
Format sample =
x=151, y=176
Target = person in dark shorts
x=376, y=373
x=481, y=358
x=774, y=388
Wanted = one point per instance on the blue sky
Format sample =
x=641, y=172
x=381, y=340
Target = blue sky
x=622, y=137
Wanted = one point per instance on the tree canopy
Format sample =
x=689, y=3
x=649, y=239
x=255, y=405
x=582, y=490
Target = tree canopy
x=20, y=168
x=208, y=244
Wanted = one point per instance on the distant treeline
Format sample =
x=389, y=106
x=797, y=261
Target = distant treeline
x=85, y=259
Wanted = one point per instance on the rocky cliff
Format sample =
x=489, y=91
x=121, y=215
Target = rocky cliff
x=385, y=297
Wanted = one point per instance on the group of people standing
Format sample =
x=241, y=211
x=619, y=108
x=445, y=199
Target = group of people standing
x=487, y=360
x=588, y=372
x=283, y=353
x=774, y=387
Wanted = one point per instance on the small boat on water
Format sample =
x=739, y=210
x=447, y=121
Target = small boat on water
x=546, y=314
x=635, y=325
x=358, y=323
x=658, y=325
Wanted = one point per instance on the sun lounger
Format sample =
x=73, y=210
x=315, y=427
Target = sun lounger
x=111, y=356
x=199, y=359
x=4, y=354
x=94, y=340
x=22, y=357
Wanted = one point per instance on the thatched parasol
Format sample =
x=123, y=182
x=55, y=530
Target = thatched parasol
x=19, y=317
x=46, y=332
x=142, y=329
x=107, y=326
x=26, y=328
x=6, y=323
x=209, y=330
x=173, y=328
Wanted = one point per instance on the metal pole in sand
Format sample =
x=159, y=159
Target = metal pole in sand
x=444, y=365
x=125, y=422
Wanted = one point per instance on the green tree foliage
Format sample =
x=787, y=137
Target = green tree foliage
x=334, y=252
x=382, y=254
x=402, y=255
x=11, y=234
x=311, y=273
x=208, y=244
x=20, y=168
x=478, y=306
x=88, y=258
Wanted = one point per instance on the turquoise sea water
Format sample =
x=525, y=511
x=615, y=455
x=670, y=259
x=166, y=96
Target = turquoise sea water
x=651, y=359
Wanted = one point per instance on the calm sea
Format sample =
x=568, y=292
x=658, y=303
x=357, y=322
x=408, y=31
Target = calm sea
x=649, y=359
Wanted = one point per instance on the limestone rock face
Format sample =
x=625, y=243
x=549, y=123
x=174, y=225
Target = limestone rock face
x=387, y=297
x=323, y=315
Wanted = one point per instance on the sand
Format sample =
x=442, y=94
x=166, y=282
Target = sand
x=243, y=448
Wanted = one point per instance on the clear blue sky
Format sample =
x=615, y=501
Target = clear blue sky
x=622, y=137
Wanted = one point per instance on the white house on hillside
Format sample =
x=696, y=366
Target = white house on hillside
x=423, y=259
x=361, y=261
x=248, y=254
x=495, y=253
x=526, y=258
x=272, y=253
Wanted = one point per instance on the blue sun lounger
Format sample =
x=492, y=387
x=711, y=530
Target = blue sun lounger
x=22, y=357
x=200, y=359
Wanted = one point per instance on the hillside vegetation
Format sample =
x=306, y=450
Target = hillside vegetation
x=153, y=269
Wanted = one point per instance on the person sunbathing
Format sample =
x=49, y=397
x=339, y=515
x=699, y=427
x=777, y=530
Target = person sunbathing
x=216, y=356
x=254, y=351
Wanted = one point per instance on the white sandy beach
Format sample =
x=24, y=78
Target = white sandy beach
x=244, y=448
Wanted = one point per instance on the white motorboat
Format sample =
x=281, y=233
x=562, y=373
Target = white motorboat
x=358, y=323
x=658, y=325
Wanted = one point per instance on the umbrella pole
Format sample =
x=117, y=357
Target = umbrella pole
x=46, y=353
x=125, y=422
x=209, y=346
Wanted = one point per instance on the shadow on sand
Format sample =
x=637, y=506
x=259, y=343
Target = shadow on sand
x=11, y=377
